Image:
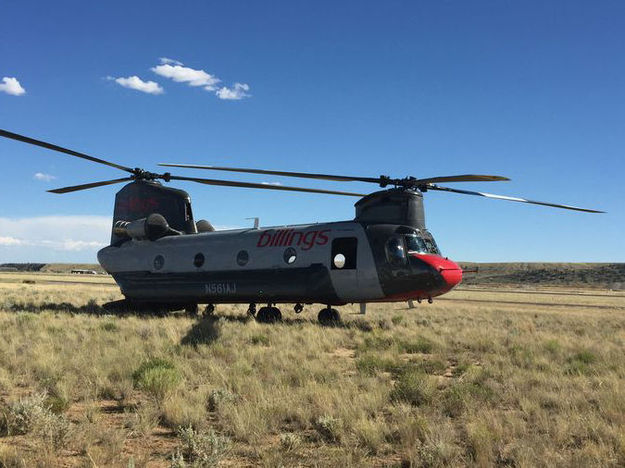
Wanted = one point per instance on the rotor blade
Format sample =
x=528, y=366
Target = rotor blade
x=228, y=183
x=462, y=178
x=43, y=144
x=74, y=188
x=515, y=199
x=340, y=178
x=304, y=175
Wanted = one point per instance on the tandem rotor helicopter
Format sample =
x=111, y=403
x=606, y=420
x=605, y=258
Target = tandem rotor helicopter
x=163, y=260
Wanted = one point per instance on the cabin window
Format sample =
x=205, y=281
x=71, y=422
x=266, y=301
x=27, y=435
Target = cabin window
x=344, y=253
x=243, y=257
x=159, y=262
x=395, y=252
x=198, y=260
x=290, y=255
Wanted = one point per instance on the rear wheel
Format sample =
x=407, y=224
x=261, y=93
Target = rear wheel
x=191, y=310
x=268, y=315
x=329, y=316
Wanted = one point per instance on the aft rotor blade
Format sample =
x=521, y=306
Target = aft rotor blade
x=75, y=188
x=228, y=183
x=514, y=199
x=304, y=175
x=50, y=146
x=463, y=178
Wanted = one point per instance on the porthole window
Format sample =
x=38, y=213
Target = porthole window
x=290, y=255
x=159, y=261
x=243, y=257
x=339, y=261
x=198, y=260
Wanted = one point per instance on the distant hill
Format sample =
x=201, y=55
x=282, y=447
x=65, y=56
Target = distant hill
x=51, y=267
x=22, y=266
x=593, y=275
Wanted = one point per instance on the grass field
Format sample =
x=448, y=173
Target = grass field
x=481, y=377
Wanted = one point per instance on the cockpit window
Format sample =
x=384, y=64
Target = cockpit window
x=421, y=245
x=415, y=244
x=395, y=251
x=431, y=246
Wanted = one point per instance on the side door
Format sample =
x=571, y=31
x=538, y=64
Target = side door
x=343, y=267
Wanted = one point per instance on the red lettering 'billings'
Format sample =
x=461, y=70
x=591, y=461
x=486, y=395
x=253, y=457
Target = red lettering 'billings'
x=309, y=239
x=264, y=239
x=288, y=237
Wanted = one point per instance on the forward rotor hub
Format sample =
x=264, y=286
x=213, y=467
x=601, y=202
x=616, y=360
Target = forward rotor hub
x=141, y=174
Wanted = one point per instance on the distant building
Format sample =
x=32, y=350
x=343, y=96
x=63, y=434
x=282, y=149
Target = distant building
x=84, y=272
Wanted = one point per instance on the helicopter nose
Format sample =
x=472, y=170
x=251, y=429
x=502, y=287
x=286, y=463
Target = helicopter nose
x=450, y=271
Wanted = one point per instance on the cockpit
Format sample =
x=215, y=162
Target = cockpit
x=399, y=245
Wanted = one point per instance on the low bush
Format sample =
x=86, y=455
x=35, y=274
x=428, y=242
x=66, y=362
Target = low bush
x=420, y=345
x=201, y=448
x=330, y=428
x=158, y=377
x=413, y=387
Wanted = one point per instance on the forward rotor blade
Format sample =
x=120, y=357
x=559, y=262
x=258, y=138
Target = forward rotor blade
x=339, y=178
x=228, y=183
x=462, y=178
x=75, y=188
x=304, y=175
x=50, y=146
x=514, y=199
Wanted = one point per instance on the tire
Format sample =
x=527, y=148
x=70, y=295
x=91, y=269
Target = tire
x=268, y=315
x=329, y=317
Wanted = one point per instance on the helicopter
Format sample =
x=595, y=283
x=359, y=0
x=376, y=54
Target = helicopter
x=163, y=260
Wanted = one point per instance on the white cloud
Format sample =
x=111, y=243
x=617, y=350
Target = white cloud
x=181, y=74
x=11, y=86
x=43, y=177
x=5, y=240
x=134, y=82
x=165, y=60
x=53, y=238
x=237, y=92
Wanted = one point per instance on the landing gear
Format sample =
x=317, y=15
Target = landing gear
x=268, y=314
x=251, y=310
x=329, y=316
x=298, y=308
x=191, y=310
x=209, y=310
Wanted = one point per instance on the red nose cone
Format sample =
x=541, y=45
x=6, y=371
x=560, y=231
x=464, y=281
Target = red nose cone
x=452, y=276
x=450, y=271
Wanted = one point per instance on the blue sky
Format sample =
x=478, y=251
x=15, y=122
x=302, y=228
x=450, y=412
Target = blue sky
x=531, y=90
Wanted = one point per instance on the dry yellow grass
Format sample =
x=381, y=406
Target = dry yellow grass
x=477, y=378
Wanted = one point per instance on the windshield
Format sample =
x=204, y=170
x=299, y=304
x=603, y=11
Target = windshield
x=416, y=244
x=421, y=245
x=432, y=247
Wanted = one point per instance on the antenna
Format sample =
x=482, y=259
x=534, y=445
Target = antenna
x=256, y=222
